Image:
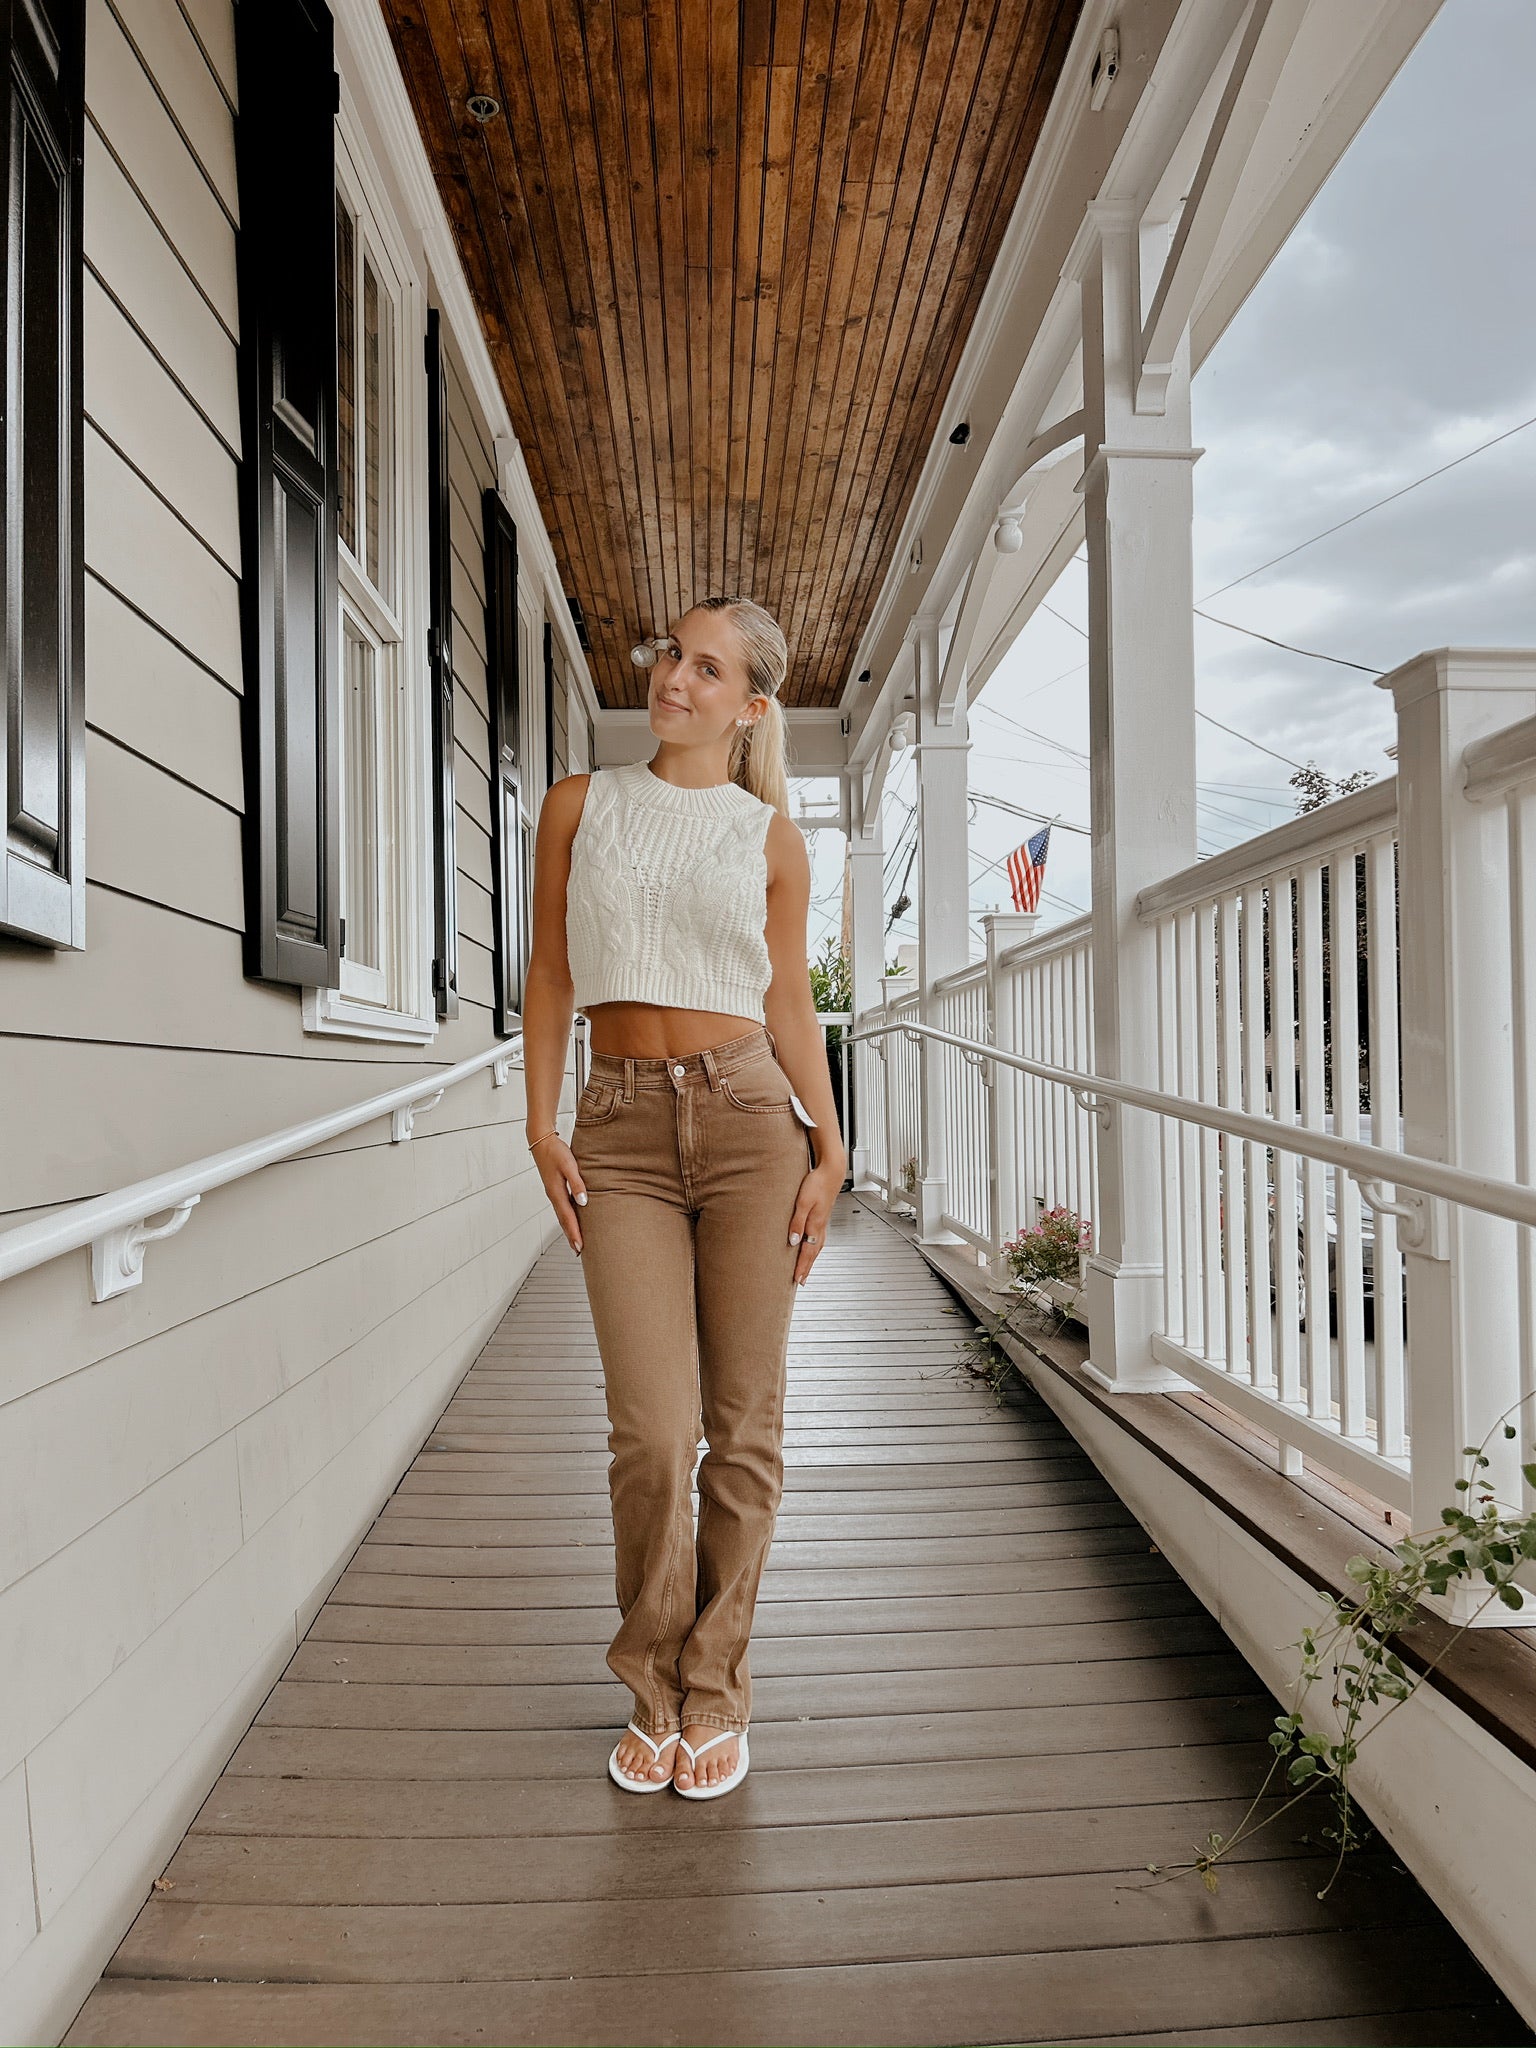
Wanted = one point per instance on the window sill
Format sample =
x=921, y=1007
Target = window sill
x=332, y=1015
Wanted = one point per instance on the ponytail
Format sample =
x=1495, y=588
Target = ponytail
x=759, y=758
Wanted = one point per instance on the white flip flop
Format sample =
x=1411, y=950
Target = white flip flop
x=727, y=1784
x=641, y=1784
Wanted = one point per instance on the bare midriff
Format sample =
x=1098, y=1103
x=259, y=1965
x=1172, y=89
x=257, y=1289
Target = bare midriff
x=656, y=1031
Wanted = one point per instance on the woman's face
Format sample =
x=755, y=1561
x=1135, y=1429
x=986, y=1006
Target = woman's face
x=699, y=686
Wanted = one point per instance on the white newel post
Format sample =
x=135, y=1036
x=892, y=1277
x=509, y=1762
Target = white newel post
x=892, y=987
x=1455, y=964
x=1003, y=928
x=866, y=970
x=1139, y=502
x=943, y=912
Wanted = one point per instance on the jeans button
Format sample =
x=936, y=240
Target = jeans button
x=679, y=1071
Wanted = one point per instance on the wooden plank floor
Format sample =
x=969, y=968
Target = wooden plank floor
x=983, y=1705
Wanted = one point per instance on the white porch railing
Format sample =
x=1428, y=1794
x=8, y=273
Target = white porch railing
x=1283, y=1276
x=1389, y=941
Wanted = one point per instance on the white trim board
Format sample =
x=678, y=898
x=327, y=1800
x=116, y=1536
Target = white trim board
x=366, y=59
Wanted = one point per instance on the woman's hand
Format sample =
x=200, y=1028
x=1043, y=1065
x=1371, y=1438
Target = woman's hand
x=813, y=1205
x=562, y=1182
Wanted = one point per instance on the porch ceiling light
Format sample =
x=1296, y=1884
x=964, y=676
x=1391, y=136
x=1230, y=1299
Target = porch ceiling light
x=482, y=107
x=1105, y=68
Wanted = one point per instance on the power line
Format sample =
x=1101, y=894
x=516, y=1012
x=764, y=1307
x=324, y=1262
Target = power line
x=1233, y=627
x=1051, y=681
x=1076, y=628
x=1285, y=758
x=1365, y=510
x=1001, y=804
x=1337, y=659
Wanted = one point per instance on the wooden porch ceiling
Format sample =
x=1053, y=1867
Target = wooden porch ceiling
x=727, y=257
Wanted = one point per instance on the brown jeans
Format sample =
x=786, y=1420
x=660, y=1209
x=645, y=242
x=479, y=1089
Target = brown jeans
x=692, y=1167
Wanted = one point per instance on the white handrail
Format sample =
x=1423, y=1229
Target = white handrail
x=1501, y=762
x=962, y=977
x=1059, y=939
x=1332, y=828
x=116, y=1226
x=1372, y=1165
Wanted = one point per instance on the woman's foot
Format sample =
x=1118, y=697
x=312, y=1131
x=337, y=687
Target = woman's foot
x=715, y=1764
x=636, y=1759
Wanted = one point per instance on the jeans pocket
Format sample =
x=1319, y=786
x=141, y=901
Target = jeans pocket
x=597, y=1102
x=759, y=1085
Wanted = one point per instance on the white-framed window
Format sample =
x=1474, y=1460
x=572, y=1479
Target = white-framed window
x=384, y=986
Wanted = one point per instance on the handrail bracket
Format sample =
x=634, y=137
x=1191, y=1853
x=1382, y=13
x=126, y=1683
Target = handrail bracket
x=1423, y=1225
x=402, y=1121
x=117, y=1256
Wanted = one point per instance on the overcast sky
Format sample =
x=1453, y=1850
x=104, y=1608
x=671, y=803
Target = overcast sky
x=1393, y=333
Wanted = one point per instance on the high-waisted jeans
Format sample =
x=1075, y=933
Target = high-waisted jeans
x=692, y=1167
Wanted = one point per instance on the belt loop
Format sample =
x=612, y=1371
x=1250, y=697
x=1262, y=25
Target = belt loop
x=629, y=1078
x=771, y=1046
x=710, y=1067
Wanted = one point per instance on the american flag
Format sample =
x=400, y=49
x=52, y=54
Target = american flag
x=1026, y=870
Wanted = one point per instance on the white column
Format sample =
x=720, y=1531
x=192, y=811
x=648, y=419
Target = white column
x=1138, y=500
x=943, y=911
x=1003, y=928
x=1457, y=1006
x=892, y=987
x=866, y=847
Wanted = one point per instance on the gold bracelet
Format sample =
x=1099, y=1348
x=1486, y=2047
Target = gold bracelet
x=541, y=1137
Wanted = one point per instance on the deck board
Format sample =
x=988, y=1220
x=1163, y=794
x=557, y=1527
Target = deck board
x=983, y=1703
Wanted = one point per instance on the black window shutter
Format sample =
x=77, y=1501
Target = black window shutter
x=288, y=483
x=42, y=586
x=511, y=851
x=445, y=914
x=549, y=705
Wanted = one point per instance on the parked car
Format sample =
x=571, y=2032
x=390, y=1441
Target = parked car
x=1331, y=1229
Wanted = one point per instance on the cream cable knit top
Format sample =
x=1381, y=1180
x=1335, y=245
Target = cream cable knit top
x=667, y=900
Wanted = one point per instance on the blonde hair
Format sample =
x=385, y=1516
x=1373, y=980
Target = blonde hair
x=759, y=758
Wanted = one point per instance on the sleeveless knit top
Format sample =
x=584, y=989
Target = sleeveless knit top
x=667, y=900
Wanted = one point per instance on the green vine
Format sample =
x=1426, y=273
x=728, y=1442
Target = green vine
x=986, y=1360
x=1481, y=1539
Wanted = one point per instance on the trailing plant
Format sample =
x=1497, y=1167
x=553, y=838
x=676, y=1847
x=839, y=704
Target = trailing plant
x=1479, y=1540
x=909, y=1175
x=1048, y=1252
x=985, y=1357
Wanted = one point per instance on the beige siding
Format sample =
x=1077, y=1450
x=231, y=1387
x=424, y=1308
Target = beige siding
x=185, y=1469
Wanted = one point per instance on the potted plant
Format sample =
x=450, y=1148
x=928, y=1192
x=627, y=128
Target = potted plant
x=1045, y=1261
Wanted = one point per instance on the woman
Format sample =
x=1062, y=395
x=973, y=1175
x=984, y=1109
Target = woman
x=670, y=902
